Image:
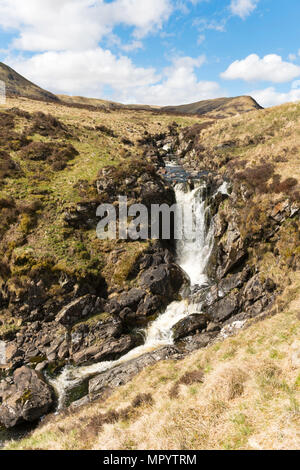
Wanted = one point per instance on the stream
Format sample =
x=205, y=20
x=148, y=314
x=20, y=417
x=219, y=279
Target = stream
x=193, y=254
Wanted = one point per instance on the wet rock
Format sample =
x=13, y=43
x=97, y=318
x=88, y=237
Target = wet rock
x=24, y=398
x=196, y=342
x=78, y=310
x=189, y=325
x=128, y=300
x=223, y=309
x=110, y=350
x=120, y=375
x=233, y=281
x=163, y=280
x=151, y=305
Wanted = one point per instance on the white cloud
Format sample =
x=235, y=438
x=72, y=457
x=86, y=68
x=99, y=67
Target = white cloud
x=64, y=37
x=270, y=68
x=271, y=97
x=78, y=24
x=83, y=72
x=243, y=8
x=179, y=85
x=89, y=72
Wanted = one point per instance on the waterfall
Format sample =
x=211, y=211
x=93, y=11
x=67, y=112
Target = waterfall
x=193, y=253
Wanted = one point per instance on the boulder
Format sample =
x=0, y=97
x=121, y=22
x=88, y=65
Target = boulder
x=24, y=398
x=109, y=350
x=164, y=280
x=151, y=305
x=189, y=325
x=128, y=300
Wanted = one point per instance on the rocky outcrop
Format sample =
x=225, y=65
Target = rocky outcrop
x=110, y=350
x=159, y=281
x=24, y=398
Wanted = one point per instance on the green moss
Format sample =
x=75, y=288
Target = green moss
x=77, y=393
x=37, y=360
x=54, y=368
x=9, y=328
x=25, y=397
x=126, y=265
x=101, y=317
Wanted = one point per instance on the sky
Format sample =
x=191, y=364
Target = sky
x=159, y=52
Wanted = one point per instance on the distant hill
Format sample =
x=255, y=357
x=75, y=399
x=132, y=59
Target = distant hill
x=98, y=103
x=220, y=107
x=216, y=108
x=16, y=85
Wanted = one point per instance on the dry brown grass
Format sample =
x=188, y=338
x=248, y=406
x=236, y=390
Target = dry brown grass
x=271, y=135
x=242, y=393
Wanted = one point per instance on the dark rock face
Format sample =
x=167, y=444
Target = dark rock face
x=159, y=283
x=78, y=310
x=24, y=397
x=223, y=309
x=163, y=280
x=192, y=324
x=98, y=338
x=128, y=301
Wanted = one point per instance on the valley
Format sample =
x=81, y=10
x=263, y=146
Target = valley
x=123, y=332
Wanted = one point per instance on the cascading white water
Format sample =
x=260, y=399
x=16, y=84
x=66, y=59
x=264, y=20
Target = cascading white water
x=193, y=254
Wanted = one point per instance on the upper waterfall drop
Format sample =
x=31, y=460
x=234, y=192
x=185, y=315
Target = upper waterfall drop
x=194, y=249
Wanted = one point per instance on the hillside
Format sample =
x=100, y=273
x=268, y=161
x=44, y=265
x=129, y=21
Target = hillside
x=16, y=85
x=104, y=104
x=217, y=108
x=58, y=163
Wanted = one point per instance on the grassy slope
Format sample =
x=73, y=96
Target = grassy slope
x=20, y=86
x=219, y=107
x=253, y=141
x=248, y=399
x=70, y=250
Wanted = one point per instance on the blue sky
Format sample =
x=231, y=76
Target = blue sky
x=156, y=51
